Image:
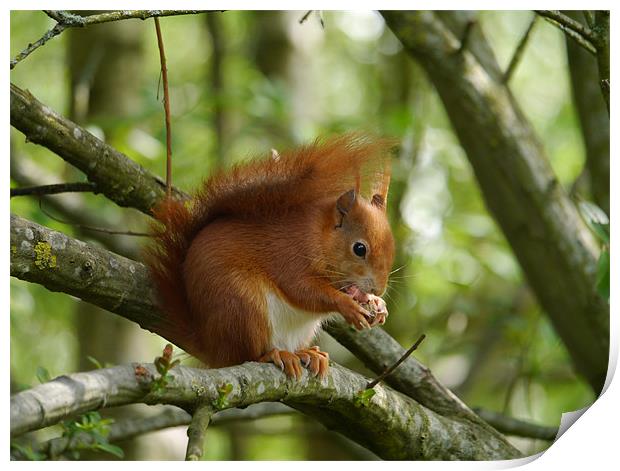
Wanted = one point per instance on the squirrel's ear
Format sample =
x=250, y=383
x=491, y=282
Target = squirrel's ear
x=378, y=201
x=345, y=202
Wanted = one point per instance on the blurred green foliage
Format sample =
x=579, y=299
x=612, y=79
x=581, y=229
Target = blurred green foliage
x=458, y=281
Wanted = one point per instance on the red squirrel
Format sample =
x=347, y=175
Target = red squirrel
x=264, y=253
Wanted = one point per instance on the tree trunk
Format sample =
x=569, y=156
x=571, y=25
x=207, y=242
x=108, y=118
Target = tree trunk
x=555, y=249
x=593, y=117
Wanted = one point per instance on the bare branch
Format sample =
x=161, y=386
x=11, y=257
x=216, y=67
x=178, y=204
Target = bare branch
x=465, y=36
x=388, y=371
x=171, y=416
x=581, y=34
x=164, y=78
x=197, y=431
x=516, y=57
x=70, y=206
x=589, y=16
x=54, y=189
x=88, y=228
x=601, y=19
x=67, y=20
x=305, y=16
x=119, y=178
x=410, y=431
x=86, y=271
x=516, y=427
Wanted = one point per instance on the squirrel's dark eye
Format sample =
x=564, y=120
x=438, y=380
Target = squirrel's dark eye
x=359, y=249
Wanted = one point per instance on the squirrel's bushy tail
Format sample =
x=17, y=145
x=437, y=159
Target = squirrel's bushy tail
x=258, y=190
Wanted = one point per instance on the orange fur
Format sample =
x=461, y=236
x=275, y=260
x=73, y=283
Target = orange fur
x=271, y=226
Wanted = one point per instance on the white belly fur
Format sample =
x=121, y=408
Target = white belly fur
x=291, y=328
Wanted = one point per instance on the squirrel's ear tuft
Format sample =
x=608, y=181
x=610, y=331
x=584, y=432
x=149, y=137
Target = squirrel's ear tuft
x=345, y=202
x=378, y=201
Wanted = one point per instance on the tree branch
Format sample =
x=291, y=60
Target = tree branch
x=593, y=119
x=132, y=427
x=122, y=286
x=557, y=252
x=391, y=369
x=197, y=432
x=407, y=430
x=516, y=427
x=86, y=271
x=602, y=51
x=54, y=189
x=516, y=57
x=164, y=79
x=67, y=20
x=70, y=207
x=581, y=34
x=119, y=178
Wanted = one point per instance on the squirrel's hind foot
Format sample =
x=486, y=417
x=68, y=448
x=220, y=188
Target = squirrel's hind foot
x=312, y=358
x=315, y=360
x=286, y=361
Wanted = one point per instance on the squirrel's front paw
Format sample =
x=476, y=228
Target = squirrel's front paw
x=377, y=307
x=355, y=314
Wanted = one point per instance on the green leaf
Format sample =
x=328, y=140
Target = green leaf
x=225, y=389
x=363, y=397
x=43, y=375
x=602, y=275
x=112, y=449
x=95, y=362
x=28, y=453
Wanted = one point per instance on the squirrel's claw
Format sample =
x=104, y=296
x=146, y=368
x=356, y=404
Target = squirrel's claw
x=315, y=360
x=286, y=361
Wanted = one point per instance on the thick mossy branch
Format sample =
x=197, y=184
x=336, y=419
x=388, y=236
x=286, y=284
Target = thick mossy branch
x=555, y=249
x=100, y=277
x=122, y=286
x=118, y=177
x=393, y=426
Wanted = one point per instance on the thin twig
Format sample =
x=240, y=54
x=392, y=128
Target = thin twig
x=379, y=378
x=55, y=31
x=589, y=16
x=581, y=34
x=91, y=228
x=217, y=83
x=516, y=57
x=197, y=431
x=465, y=36
x=67, y=20
x=516, y=427
x=305, y=17
x=164, y=77
x=54, y=189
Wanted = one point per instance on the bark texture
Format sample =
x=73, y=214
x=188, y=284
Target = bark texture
x=392, y=425
x=120, y=285
x=555, y=250
x=119, y=178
